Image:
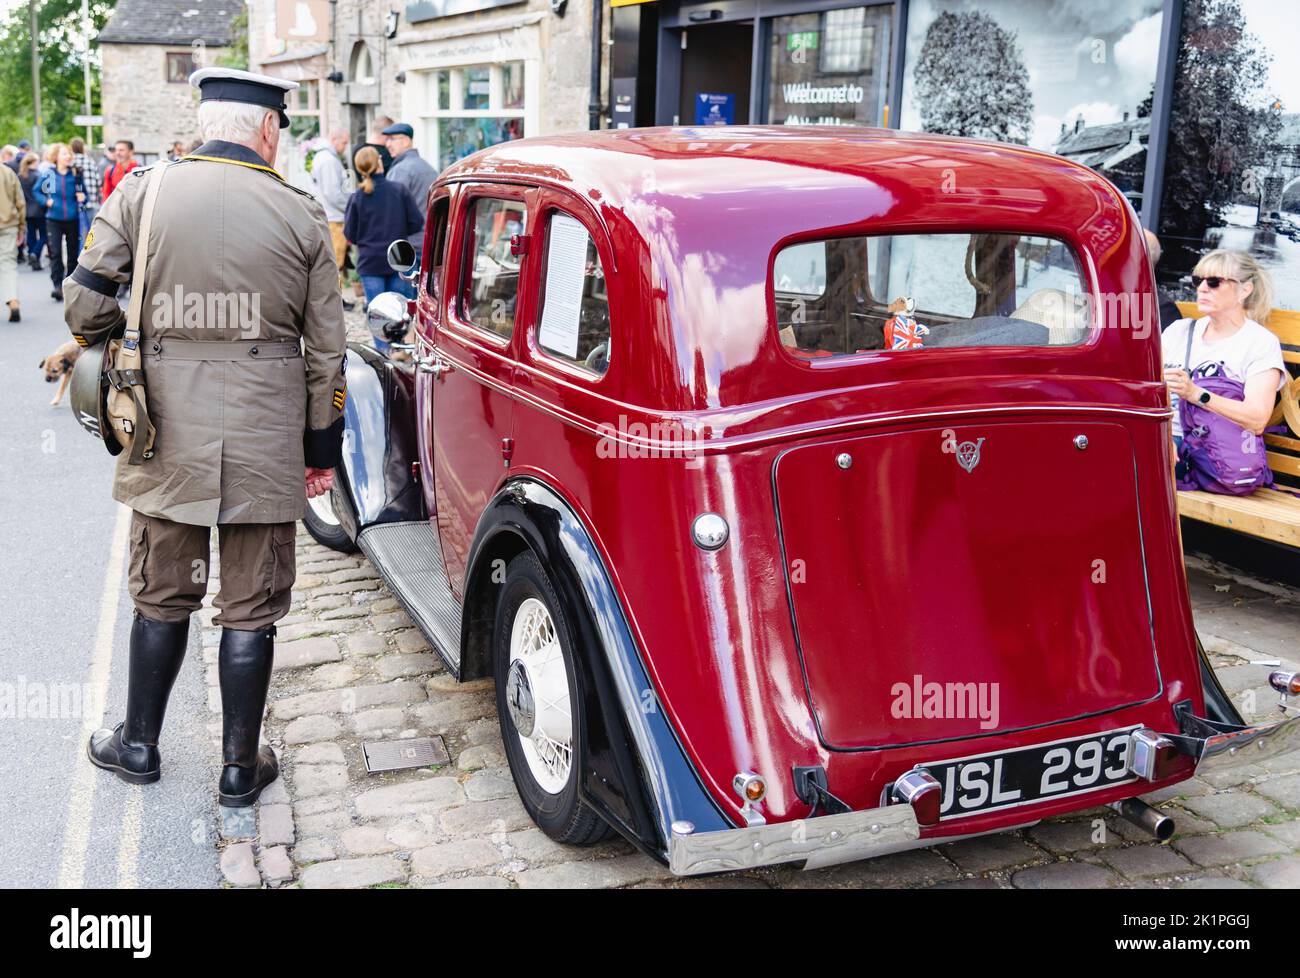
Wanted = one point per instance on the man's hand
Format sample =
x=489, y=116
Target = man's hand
x=319, y=481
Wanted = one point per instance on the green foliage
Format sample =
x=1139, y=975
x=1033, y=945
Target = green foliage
x=236, y=56
x=59, y=34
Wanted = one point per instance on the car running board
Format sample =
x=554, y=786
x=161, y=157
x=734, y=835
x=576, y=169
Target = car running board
x=409, y=559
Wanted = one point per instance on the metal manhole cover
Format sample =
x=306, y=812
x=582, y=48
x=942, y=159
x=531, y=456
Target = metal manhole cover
x=397, y=755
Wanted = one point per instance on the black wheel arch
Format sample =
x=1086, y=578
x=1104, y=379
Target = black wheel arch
x=636, y=773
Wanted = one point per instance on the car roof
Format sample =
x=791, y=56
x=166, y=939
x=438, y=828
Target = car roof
x=633, y=169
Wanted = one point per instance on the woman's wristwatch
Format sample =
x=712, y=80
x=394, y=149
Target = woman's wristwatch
x=1203, y=397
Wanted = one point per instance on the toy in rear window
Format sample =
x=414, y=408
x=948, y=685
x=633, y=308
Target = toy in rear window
x=902, y=331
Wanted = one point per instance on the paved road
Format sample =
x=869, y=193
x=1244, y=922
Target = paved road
x=62, y=632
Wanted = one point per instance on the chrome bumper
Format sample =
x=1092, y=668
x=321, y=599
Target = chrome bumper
x=822, y=841
x=1214, y=747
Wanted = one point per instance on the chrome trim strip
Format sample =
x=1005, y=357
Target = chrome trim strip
x=712, y=446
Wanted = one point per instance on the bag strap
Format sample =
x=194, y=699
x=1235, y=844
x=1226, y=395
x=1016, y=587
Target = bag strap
x=131, y=337
x=1187, y=354
x=129, y=375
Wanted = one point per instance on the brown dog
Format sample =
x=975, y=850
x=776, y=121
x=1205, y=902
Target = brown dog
x=59, y=365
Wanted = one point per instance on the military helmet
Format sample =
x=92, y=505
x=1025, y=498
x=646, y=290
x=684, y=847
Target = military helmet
x=88, y=394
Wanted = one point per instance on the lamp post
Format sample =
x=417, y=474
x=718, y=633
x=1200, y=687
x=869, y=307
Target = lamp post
x=36, y=80
x=85, y=64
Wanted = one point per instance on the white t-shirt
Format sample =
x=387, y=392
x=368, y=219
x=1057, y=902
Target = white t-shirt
x=1250, y=350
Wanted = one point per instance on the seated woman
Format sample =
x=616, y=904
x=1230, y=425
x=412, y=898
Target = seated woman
x=1235, y=295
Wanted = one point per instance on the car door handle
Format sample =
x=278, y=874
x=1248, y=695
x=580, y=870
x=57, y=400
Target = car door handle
x=434, y=364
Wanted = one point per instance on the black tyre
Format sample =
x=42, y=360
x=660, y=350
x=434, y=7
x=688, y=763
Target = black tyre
x=323, y=524
x=538, y=704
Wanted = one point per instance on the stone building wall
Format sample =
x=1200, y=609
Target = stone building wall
x=139, y=104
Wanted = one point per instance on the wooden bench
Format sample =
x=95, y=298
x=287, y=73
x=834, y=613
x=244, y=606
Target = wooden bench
x=1265, y=513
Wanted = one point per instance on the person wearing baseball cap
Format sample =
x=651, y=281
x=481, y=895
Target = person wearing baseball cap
x=411, y=171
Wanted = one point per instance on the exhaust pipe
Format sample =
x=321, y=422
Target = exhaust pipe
x=1144, y=816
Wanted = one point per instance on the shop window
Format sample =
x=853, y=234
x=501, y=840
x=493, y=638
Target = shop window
x=574, y=320
x=512, y=85
x=830, y=68
x=492, y=285
x=471, y=107
x=475, y=88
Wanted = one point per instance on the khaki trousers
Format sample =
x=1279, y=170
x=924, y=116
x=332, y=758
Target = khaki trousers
x=340, y=243
x=170, y=564
x=8, y=264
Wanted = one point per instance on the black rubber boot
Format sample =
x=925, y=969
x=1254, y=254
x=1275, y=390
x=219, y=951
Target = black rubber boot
x=130, y=750
x=244, y=669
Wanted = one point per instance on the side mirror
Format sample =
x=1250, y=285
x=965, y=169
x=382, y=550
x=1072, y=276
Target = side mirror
x=387, y=317
x=402, y=260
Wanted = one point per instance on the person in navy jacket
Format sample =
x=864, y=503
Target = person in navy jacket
x=64, y=194
x=377, y=214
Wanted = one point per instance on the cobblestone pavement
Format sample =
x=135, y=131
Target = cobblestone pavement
x=350, y=667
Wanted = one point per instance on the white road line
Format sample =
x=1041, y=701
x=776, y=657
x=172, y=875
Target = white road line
x=81, y=799
x=128, y=844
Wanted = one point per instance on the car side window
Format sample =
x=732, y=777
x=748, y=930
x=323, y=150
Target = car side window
x=492, y=285
x=438, y=247
x=574, y=321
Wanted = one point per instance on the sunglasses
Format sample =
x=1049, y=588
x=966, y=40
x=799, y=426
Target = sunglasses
x=1213, y=281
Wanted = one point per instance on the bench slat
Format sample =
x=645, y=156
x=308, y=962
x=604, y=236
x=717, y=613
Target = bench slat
x=1283, y=463
x=1264, y=513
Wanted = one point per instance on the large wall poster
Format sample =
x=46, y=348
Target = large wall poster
x=1232, y=169
x=1070, y=76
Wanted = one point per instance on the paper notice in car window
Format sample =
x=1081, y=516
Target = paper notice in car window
x=566, y=268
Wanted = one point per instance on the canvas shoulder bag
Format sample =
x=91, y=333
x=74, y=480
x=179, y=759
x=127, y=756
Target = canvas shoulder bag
x=127, y=406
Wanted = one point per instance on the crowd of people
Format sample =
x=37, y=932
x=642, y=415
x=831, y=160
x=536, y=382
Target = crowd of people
x=371, y=196
x=50, y=199
x=381, y=199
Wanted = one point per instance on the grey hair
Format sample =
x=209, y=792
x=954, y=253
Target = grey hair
x=235, y=122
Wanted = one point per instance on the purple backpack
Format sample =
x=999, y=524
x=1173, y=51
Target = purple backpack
x=1218, y=455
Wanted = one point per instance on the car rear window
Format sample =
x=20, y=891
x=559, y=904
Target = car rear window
x=911, y=292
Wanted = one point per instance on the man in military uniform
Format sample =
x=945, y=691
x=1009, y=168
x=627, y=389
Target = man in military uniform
x=243, y=349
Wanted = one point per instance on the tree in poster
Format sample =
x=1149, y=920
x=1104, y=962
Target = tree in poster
x=1220, y=127
x=971, y=80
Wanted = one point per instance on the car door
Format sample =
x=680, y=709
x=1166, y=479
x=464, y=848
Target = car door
x=431, y=304
x=472, y=366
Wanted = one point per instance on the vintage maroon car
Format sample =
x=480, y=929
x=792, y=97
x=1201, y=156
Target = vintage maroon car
x=806, y=491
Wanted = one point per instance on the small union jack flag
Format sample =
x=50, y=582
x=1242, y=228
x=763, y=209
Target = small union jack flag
x=902, y=332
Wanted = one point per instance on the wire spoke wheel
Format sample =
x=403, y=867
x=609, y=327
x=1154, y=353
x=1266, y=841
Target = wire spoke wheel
x=541, y=708
x=549, y=748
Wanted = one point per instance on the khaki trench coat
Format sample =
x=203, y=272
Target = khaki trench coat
x=237, y=257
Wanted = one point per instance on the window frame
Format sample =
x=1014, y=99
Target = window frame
x=458, y=309
x=538, y=353
x=1082, y=271
x=168, y=60
x=433, y=117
